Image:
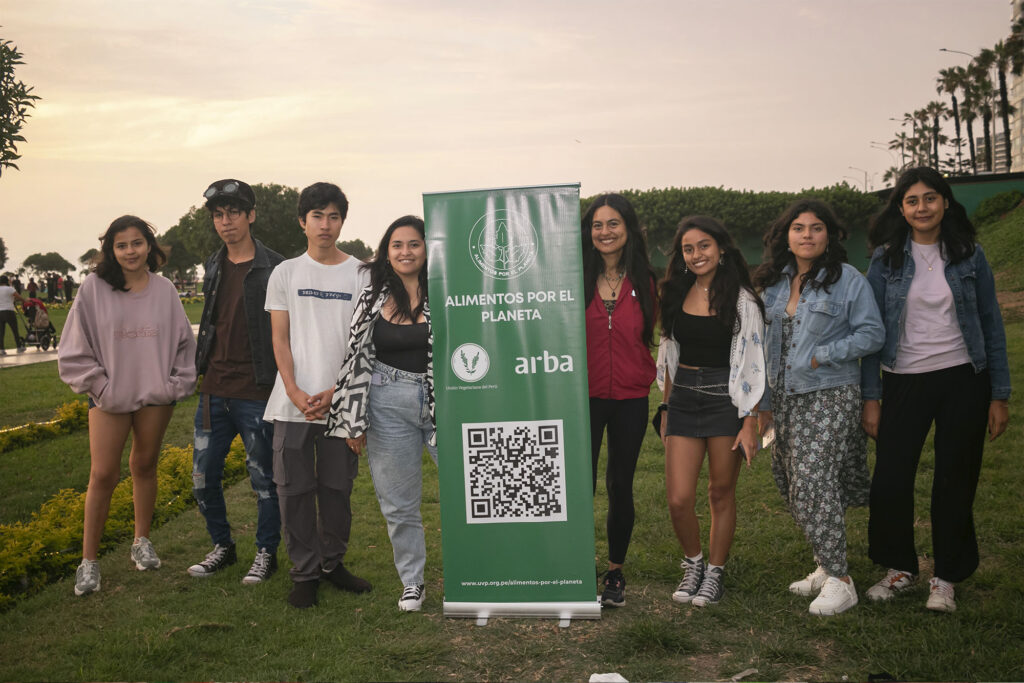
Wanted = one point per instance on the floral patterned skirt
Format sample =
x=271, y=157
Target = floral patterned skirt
x=819, y=461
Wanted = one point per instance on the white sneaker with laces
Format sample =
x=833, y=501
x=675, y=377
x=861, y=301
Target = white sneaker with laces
x=940, y=596
x=412, y=598
x=810, y=584
x=143, y=555
x=895, y=581
x=836, y=596
x=87, y=577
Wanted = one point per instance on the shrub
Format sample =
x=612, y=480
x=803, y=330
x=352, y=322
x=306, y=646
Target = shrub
x=69, y=418
x=995, y=207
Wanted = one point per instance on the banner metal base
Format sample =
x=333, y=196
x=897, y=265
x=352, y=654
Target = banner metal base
x=565, y=612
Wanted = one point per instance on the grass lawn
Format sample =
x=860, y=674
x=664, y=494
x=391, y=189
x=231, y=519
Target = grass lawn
x=166, y=625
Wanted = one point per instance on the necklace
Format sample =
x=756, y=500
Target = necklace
x=929, y=261
x=618, y=281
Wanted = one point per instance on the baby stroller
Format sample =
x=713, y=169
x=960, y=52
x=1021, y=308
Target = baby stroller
x=40, y=332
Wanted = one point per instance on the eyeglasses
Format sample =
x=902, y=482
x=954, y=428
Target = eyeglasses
x=231, y=213
x=229, y=188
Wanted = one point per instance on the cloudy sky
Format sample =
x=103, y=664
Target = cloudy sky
x=144, y=103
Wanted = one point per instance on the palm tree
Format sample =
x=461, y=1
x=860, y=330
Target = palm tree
x=999, y=56
x=936, y=110
x=949, y=81
x=900, y=142
x=982, y=93
x=923, y=142
x=969, y=112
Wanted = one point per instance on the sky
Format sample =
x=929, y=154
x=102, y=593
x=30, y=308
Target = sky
x=144, y=103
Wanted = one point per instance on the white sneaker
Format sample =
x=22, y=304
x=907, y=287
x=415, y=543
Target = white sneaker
x=940, y=597
x=836, y=596
x=87, y=577
x=412, y=598
x=810, y=584
x=143, y=555
x=895, y=581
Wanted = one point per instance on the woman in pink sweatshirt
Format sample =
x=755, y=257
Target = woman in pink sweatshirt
x=128, y=345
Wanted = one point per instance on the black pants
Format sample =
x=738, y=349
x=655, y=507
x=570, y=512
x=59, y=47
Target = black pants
x=8, y=318
x=626, y=421
x=957, y=400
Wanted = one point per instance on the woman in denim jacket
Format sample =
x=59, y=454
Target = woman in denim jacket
x=944, y=361
x=821, y=319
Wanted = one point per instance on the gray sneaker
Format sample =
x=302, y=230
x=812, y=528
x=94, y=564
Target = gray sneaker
x=87, y=577
x=711, y=588
x=691, y=582
x=143, y=555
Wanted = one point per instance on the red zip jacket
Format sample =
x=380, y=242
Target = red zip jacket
x=619, y=364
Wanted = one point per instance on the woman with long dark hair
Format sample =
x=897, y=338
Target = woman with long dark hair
x=128, y=345
x=944, y=362
x=619, y=290
x=821, y=320
x=712, y=361
x=384, y=398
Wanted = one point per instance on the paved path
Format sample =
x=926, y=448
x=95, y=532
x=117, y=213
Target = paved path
x=34, y=355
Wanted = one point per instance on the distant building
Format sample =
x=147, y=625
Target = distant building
x=999, y=141
x=1017, y=100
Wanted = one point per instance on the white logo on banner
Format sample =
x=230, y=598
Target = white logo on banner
x=503, y=244
x=470, y=362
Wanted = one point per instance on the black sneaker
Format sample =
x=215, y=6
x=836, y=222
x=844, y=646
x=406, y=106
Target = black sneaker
x=263, y=567
x=691, y=583
x=341, y=578
x=614, y=594
x=218, y=558
x=711, y=588
x=303, y=594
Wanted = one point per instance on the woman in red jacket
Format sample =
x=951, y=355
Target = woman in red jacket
x=619, y=287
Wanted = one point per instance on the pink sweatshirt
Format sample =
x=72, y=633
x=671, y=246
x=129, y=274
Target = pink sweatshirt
x=127, y=350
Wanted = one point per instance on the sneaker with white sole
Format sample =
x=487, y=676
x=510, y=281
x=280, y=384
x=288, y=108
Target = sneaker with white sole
x=221, y=556
x=143, y=555
x=895, y=581
x=87, y=577
x=940, y=596
x=412, y=598
x=614, y=593
x=263, y=567
x=711, y=588
x=810, y=584
x=836, y=596
x=688, y=587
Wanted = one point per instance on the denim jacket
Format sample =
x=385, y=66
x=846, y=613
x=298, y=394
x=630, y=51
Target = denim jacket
x=977, y=311
x=254, y=291
x=836, y=328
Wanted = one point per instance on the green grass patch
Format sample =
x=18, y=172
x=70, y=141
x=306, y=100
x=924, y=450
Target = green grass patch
x=1003, y=241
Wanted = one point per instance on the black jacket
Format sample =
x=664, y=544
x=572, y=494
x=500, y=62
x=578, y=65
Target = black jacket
x=254, y=291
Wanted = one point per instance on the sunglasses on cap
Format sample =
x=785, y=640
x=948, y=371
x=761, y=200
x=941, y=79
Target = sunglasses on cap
x=230, y=188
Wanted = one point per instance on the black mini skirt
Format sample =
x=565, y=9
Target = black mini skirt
x=699, y=405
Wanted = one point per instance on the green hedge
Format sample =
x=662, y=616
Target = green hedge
x=70, y=417
x=49, y=546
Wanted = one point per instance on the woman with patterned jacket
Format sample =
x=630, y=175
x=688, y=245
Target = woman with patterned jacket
x=821, y=320
x=384, y=398
x=712, y=363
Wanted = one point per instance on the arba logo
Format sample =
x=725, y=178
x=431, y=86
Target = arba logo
x=470, y=362
x=548, y=362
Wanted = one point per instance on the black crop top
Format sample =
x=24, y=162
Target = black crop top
x=704, y=342
x=403, y=347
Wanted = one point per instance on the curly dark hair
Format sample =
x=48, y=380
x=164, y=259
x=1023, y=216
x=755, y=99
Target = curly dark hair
x=777, y=254
x=723, y=294
x=382, y=275
x=889, y=229
x=108, y=268
x=634, y=258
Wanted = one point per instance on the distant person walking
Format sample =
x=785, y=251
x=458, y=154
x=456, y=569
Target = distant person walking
x=9, y=298
x=33, y=289
x=69, y=287
x=128, y=345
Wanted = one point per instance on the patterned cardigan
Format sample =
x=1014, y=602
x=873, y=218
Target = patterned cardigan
x=348, y=418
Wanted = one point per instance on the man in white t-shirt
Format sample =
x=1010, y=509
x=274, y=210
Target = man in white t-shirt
x=311, y=299
x=9, y=298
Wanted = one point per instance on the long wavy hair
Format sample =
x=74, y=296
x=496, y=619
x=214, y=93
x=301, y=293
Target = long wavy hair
x=732, y=275
x=777, y=254
x=634, y=258
x=889, y=229
x=108, y=268
x=382, y=275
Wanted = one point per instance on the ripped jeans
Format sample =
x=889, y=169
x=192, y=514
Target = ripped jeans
x=214, y=431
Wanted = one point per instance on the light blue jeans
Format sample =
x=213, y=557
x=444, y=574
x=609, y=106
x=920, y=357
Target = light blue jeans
x=399, y=429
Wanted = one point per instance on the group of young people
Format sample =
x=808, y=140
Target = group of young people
x=317, y=360
x=812, y=357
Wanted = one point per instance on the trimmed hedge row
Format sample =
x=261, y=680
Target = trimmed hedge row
x=49, y=546
x=70, y=417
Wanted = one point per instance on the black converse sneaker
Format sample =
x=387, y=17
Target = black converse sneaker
x=221, y=556
x=412, y=598
x=263, y=567
x=711, y=589
x=691, y=582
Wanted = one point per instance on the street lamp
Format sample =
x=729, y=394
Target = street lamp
x=959, y=52
x=885, y=148
x=865, y=176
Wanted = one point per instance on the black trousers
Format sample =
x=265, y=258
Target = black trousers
x=9, y=319
x=626, y=422
x=957, y=400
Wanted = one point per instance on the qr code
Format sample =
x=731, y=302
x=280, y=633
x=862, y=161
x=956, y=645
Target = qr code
x=515, y=471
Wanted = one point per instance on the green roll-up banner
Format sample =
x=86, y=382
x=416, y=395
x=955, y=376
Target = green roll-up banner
x=510, y=381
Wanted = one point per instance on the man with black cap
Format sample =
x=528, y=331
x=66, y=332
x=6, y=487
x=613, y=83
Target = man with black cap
x=235, y=356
